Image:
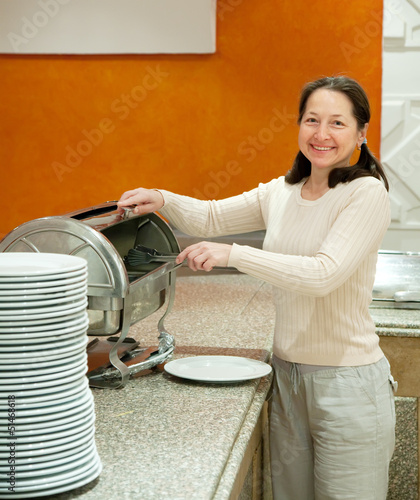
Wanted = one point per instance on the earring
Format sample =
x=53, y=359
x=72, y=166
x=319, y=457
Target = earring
x=364, y=142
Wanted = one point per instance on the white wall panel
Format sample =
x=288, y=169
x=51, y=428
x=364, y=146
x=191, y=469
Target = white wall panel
x=107, y=26
x=400, y=144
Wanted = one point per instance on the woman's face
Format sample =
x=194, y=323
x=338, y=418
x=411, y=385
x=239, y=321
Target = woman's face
x=328, y=132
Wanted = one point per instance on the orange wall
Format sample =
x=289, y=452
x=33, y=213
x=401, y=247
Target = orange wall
x=208, y=126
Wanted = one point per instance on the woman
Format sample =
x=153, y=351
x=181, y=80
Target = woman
x=332, y=413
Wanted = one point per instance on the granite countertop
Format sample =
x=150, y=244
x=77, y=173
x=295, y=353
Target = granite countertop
x=164, y=437
x=396, y=322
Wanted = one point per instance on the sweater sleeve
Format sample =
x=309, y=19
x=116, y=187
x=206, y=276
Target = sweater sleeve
x=357, y=231
x=238, y=214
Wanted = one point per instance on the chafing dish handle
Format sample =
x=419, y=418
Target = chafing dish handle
x=121, y=373
x=102, y=209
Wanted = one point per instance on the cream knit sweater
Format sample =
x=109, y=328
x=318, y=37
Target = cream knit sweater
x=319, y=255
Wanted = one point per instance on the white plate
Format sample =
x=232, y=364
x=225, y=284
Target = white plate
x=40, y=313
x=45, y=393
x=218, y=369
x=38, y=264
x=32, y=468
x=53, y=457
x=73, y=479
x=55, y=364
x=16, y=302
x=36, y=385
x=47, y=399
x=57, y=409
x=53, y=289
x=59, y=279
x=51, y=412
x=46, y=318
x=27, y=430
x=40, y=337
x=37, y=312
x=45, y=441
x=46, y=480
x=76, y=462
x=67, y=371
x=76, y=482
x=43, y=425
x=57, y=285
x=49, y=438
x=79, y=409
x=53, y=449
x=39, y=341
x=10, y=371
x=43, y=356
x=74, y=320
x=43, y=336
x=34, y=294
x=37, y=349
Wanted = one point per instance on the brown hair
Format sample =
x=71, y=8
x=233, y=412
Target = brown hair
x=367, y=165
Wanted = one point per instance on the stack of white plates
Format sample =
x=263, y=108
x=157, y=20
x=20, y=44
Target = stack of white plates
x=47, y=442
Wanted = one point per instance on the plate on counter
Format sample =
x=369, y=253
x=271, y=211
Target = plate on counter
x=218, y=369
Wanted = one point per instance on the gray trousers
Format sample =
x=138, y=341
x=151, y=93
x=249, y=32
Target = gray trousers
x=332, y=431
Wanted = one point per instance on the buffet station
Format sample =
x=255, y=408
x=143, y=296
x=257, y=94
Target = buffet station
x=181, y=381
x=178, y=415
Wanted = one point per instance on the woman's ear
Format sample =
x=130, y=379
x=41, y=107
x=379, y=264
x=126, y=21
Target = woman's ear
x=362, y=135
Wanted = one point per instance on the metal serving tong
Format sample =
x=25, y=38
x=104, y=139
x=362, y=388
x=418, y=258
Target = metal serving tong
x=143, y=255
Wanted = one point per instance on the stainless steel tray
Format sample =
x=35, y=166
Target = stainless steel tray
x=397, y=282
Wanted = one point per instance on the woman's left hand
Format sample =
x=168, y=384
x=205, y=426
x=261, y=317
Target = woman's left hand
x=205, y=255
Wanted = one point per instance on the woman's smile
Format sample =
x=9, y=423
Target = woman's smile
x=322, y=148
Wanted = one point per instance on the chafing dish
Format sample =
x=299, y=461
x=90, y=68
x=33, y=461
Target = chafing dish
x=118, y=294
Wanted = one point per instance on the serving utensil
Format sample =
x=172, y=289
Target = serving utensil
x=143, y=255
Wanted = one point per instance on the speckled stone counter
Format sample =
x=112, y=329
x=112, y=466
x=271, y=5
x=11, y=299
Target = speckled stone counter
x=396, y=322
x=165, y=438
x=161, y=437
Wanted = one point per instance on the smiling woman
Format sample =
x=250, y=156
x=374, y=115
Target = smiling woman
x=332, y=402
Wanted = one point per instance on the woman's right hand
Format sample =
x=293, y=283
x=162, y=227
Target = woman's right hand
x=144, y=200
